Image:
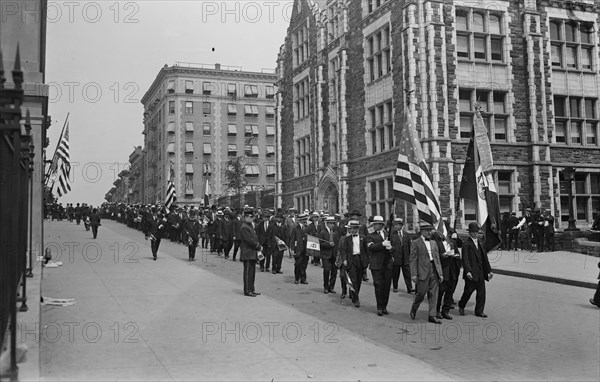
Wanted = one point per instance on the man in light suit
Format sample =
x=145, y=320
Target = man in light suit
x=476, y=271
x=426, y=271
x=380, y=262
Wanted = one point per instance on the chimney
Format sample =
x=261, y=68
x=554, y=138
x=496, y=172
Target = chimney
x=217, y=66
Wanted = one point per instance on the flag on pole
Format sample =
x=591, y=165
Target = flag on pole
x=412, y=181
x=207, y=193
x=170, y=199
x=281, y=246
x=63, y=164
x=477, y=183
x=313, y=247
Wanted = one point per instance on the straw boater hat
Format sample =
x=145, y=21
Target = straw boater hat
x=353, y=224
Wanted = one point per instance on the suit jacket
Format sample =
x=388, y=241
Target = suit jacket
x=236, y=226
x=282, y=233
x=265, y=236
x=346, y=250
x=249, y=245
x=95, y=219
x=401, y=247
x=419, y=258
x=379, y=256
x=298, y=240
x=226, y=229
x=327, y=250
x=192, y=229
x=450, y=265
x=475, y=261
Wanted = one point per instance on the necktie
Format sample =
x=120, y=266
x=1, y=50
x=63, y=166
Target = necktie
x=382, y=235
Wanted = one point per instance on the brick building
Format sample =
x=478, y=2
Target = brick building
x=345, y=74
x=196, y=118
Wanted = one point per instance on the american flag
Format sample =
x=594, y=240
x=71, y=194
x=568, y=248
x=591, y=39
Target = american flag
x=62, y=164
x=170, y=199
x=412, y=182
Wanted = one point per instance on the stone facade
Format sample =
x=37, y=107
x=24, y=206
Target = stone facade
x=534, y=67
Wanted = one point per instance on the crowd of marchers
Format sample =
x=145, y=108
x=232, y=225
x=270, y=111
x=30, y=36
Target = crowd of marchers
x=429, y=262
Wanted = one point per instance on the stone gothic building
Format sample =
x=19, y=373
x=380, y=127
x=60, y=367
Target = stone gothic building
x=348, y=69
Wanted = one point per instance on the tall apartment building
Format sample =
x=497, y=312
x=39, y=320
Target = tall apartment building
x=349, y=68
x=196, y=119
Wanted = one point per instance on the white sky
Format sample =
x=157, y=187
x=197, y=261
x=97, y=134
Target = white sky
x=102, y=56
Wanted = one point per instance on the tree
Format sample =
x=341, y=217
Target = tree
x=235, y=174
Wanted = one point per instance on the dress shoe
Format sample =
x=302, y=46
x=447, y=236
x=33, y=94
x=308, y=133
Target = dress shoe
x=357, y=303
x=274, y=272
x=446, y=316
x=154, y=258
x=343, y=296
x=461, y=311
x=279, y=272
x=413, y=314
x=380, y=312
x=256, y=293
x=233, y=259
x=325, y=291
x=303, y=282
x=296, y=282
x=262, y=269
x=395, y=290
x=250, y=294
x=594, y=303
x=453, y=305
x=412, y=291
x=267, y=269
x=332, y=291
x=434, y=320
x=385, y=311
x=482, y=315
x=438, y=316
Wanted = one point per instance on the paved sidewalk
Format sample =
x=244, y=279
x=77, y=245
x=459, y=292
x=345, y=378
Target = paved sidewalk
x=137, y=319
x=561, y=267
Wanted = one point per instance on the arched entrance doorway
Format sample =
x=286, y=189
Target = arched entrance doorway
x=329, y=199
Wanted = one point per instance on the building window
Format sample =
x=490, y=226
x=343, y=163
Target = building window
x=270, y=131
x=206, y=130
x=207, y=149
x=207, y=169
x=231, y=90
x=231, y=130
x=570, y=41
x=302, y=149
x=505, y=190
x=189, y=127
x=206, y=107
x=251, y=150
x=232, y=150
x=269, y=91
x=586, y=193
x=189, y=107
x=252, y=171
x=380, y=196
x=575, y=120
x=254, y=130
x=189, y=168
x=189, y=147
x=382, y=127
x=189, y=87
x=372, y=5
x=231, y=109
x=171, y=128
x=171, y=87
x=270, y=170
x=483, y=31
x=270, y=111
x=251, y=91
x=301, y=99
x=247, y=130
x=300, y=45
x=270, y=151
x=206, y=87
x=303, y=202
x=171, y=107
x=493, y=112
x=251, y=110
x=171, y=148
x=378, y=63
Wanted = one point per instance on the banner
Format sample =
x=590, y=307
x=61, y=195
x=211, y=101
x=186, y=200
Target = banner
x=313, y=248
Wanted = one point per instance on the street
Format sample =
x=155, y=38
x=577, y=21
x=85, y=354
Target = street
x=135, y=318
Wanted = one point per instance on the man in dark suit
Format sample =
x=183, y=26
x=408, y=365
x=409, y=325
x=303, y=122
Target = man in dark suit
x=329, y=247
x=548, y=231
x=596, y=299
x=264, y=231
x=312, y=228
x=354, y=259
x=476, y=272
x=379, y=249
x=298, y=249
x=426, y=271
x=226, y=233
x=236, y=225
x=156, y=226
x=95, y=222
x=280, y=231
x=401, y=254
x=513, y=232
x=249, y=248
x=450, y=260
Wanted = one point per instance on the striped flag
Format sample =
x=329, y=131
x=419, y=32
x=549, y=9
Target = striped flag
x=63, y=164
x=170, y=199
x=477, y=183
x=412, y=182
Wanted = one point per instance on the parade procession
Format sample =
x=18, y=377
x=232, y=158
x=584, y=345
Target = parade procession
x=329, y=190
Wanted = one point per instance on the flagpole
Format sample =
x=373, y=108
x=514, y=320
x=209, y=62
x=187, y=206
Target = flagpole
x=56, y=150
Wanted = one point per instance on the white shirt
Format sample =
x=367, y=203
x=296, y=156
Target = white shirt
x=356, y=245
x=428, y=246
x=476, y=243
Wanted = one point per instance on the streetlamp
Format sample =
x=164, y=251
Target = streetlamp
x=569, y=175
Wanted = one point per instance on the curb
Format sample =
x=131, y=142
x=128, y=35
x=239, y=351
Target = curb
x=552, y=279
